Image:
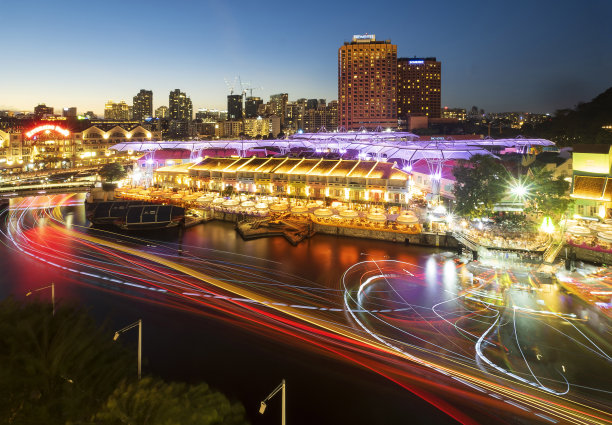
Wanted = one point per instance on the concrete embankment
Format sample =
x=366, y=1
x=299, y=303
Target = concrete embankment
x=588, y=255
x=441, y=240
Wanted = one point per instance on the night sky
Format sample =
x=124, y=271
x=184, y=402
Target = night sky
x=535, y=56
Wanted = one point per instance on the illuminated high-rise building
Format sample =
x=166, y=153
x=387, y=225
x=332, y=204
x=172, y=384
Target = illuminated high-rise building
x=278, y=105
x=418, y=87
x=143, y=105
x=180, y=106
x=118, y=111
x=367, y=83
x=234, y=107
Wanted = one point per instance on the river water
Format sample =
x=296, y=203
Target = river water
x=181, y=345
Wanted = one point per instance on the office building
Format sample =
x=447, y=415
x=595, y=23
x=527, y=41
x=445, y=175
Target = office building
x=143, y=105
x=418, y=87
x=42, y=110
x=234, y=106
x=256, y=127
x=69, y=112
x=180, y=106
x=116, y=111
x=278, y=104
x=251, y=106
x=367, y=83
x=456, y=113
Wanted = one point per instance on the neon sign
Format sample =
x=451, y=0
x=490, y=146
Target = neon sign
x=51, y=127
x=416, y=62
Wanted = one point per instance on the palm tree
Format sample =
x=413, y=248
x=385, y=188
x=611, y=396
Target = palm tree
x=55, y=368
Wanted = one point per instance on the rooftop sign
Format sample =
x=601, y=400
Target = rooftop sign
x=416, y=62
x=364, y=37
x=48, y=127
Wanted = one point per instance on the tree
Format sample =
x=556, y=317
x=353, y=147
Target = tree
x=479, y=185
x=152, y=401
x=547, y=195
x=112, y=171
x=55, y=368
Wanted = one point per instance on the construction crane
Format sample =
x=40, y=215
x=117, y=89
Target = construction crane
x=231, y=86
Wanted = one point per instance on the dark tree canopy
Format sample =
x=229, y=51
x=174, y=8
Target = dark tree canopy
x=480, y=184
x=55, y=369
x=152, y=401
x=548, y=196
x=112, y=172
x=62, y=369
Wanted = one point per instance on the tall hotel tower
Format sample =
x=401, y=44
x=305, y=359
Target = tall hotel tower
x=367, y=83
x=418, y=87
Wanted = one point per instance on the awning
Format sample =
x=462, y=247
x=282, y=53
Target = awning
x=588, y=187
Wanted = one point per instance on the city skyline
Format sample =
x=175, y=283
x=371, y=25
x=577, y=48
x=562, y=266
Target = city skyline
x=486, y=62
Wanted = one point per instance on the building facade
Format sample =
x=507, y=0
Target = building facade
x=344, y=180
x=234, y=106
x=367, y=83
x=143, y=105
x=117, y=111
x=251, y=106
x=419, y=87
x=278, y=106
x=454, y=113
x=42, y=110
x=69, y=112
x=180, y=106
x=55, y=143
x=592, y=180
x=256, y=127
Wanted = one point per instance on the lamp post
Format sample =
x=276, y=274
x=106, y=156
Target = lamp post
x=127, y=328
x=262, y=408
x=52, y=286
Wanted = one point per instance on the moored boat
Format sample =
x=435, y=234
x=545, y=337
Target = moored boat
x=107, y=212
x=145, y=217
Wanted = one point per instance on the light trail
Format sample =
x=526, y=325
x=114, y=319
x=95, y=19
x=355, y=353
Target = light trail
x=265, y=300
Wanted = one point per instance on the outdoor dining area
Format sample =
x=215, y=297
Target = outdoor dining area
x=596, y=236
x=336, y=214
x=496, y=238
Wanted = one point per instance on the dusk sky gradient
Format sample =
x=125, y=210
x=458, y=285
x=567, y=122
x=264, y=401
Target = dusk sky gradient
x=535, y=56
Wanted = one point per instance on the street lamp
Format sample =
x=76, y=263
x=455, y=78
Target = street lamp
x=127, y=328
x=262, y=407
x=52, y=286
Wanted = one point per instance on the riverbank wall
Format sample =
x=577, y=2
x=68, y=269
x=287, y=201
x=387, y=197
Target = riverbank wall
x=442, y=240
x=588, y=255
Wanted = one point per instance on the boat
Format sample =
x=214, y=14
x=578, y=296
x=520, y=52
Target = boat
x=102, y=213
x=147, y=217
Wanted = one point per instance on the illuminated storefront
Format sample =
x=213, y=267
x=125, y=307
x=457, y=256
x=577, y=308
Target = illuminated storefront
x=343, y=180
x=592, y=181
x=54, y=144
